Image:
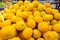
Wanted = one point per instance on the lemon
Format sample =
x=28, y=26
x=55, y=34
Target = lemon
x=36, y=33
x=56, y=27
x=41, y=7
x=50, y=35
x=20, y=25
x=40, y=39
x=31, y=38
x=15, y=38
x=43, y=26
x=20, y=3
x=40, y=19
x=36, y=13
x=31, y=23
x=7, y=32
x=47, y=17
x=27, y=33
x=53, y=21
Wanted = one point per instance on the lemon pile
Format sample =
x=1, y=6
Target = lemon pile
x=30, y=21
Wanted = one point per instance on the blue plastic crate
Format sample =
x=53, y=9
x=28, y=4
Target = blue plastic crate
x=1, y=9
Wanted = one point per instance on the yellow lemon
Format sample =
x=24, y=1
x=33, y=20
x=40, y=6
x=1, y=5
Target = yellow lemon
x=54, y=11
x=30, y=17
x=20, y=3
x=26, y=3
x=53, y=21
x=31, y=38
x=20, y=25
x=36, y=33
x=50, y=35
x=34, y=9
x=24, y=14
x=40, y=19
x=30, y=7
x=31, y=23
x=57, y=16
x=7, y=32
x=27, y=33
x=41, y=7
x=36, y=13
x=47, y=17
x=42, y=13
x=40, y=39
x=56, y=27
x=48, y=5
x=35, y=3
x=48, y=10
x=15, y=38
x=43, y=26
x=6, y=23
x=22, y=7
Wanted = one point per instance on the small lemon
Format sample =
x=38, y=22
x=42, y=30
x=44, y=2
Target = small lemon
x=48, y=5
x=27, y=33
x=35, y=3
x=50, y=35
x=34, y=9
x=31, y=23
x=20, y=25
x=43, y=26
x=47, y=17
x=20, y=3
x=31, y=38
x=40, y=19
x=22, y=7
x=15, y=38
x=41, y=7
x=54, y=11
x=30, y=7
x=6, y=23
x=26, y=3
x=40, y=39
x=36, y=13
x=30, y=17
x=57, y=16
x=53, y=21
x=56, y=27
x=42, y=13
x=48, y=10
x=36, y=33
